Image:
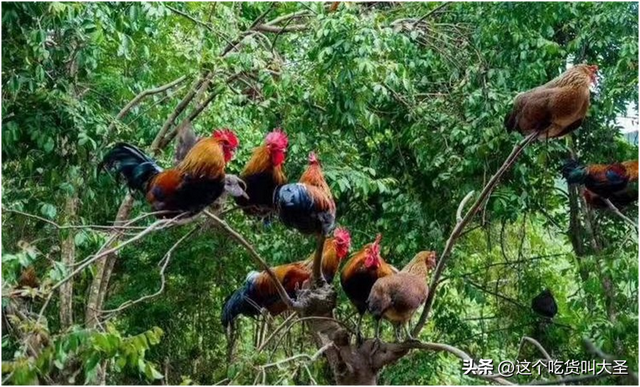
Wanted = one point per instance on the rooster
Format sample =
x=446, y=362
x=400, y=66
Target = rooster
x=263, y=174
x=308, y=205
x=556, y=108
x=259, y=291
x=397, y=297
x=196, y=182
x=359, y=274
x=604, y=180
x=186, y=139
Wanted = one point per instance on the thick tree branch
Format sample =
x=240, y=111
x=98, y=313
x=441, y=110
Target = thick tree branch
x=256, y=257
x=444, y=257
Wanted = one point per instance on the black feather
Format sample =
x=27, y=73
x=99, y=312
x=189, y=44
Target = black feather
x=296, y=209
x=131, y=163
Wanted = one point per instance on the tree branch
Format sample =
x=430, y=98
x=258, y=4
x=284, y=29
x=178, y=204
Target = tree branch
x=158, y=141
x=616, y=211
x=436, y=9
x=256, y=257
x=393, y=348
x=276, y=29
x=234, y=43
x=165, y=262
x=486, y=191
x=125, y=110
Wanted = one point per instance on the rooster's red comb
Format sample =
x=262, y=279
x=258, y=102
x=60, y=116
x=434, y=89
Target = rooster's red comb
x=313, y=159
x=226, y=135
x=277, y=138
x=342, y=236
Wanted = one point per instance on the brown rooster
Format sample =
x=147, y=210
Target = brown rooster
x=556, y=108
x=359, y=274
x=263, y=174
x=397, y=297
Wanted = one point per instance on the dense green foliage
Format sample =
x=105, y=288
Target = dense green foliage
x=406, y=119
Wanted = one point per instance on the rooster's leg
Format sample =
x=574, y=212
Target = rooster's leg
x=358, y=331
x=396, y=329
x=407, y=331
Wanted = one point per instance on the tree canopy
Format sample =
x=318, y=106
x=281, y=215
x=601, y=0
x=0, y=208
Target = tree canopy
x=403, y=102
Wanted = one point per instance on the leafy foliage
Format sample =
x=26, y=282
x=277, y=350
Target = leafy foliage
x=406, y=115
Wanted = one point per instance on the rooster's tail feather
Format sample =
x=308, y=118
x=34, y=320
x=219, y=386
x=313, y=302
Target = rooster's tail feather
x=130, y=162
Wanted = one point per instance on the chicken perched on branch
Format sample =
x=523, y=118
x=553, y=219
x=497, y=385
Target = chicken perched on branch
x=308, y=205
x=259, y=291
x=556, y=108
x=196, y=182
x=398, y=296
x=186, y=139
x=604, y=180
x=544, y=304
x=359, y=274
x=263, y=174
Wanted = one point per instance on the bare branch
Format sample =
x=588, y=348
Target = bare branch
x=616, y=211
x=591, y=347
x=407, y=345
x=254, y=254
x=125, y=110
x=233, y=44
x=310, y=358
x=436, y=9
x=535, y=344
x=158, y=225
x=275, y=29
x=165, y=262
x=455, y=234
x=461, y=206
x=288, y=17
x=272, y=335
x=159, y=142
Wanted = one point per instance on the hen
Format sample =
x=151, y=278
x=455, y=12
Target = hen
x=398, y=296
x=196, y=182
x=556, y=108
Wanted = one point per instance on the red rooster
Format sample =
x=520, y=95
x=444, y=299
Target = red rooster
x=359, y=274
x=196, y=182
x=605, y=180
x=398, y=296
x=263, y=174
x=259, y=291
x=308, y=205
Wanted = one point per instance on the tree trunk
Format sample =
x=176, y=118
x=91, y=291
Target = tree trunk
x=68, y=257
x=103, y=271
